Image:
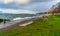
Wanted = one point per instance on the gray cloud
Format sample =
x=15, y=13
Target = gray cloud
x=42, y=0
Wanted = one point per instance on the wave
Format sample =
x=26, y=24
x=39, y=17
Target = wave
x=26, y=18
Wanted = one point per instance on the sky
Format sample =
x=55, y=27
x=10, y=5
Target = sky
x=26, y=6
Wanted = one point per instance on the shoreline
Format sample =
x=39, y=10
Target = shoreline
x=18, y=23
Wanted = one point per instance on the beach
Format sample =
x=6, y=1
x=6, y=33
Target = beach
x=15, y=24
x=19, y=22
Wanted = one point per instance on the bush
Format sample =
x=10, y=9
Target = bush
x=1, y=20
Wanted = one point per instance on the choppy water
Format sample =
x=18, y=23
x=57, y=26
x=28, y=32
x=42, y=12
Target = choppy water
x=12, y=16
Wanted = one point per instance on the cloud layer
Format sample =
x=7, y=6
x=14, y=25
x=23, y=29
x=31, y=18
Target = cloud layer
x=17, y=11
x=15, y=1
x=7, y=1
x=37, y=5
x=23, y=1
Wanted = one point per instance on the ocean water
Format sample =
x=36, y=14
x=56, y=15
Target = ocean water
x=12, y=16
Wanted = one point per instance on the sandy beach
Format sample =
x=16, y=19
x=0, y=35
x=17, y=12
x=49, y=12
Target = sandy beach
x=15, y=24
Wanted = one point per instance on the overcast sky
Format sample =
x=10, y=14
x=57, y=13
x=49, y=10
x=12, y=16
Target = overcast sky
x=29, y=5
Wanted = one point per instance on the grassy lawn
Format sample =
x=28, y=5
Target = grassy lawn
x=40, y=27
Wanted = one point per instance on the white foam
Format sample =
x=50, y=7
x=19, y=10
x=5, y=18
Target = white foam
x=18, y=18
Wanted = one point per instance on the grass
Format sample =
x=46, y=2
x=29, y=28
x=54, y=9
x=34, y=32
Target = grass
x=40, y=27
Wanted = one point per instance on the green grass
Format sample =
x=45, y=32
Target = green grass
x=40, y=27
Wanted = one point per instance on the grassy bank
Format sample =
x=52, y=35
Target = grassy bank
x=40, y=27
